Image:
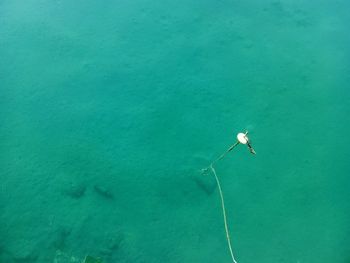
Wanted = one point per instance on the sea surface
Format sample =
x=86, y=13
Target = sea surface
x=110, y=109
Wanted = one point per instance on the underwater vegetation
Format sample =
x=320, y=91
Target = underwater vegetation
x=64, y=258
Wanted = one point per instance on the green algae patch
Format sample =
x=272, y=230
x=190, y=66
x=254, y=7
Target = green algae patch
x=89, y=259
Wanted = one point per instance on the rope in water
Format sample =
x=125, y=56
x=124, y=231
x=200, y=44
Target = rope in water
x=242, y=138
x=223, y=213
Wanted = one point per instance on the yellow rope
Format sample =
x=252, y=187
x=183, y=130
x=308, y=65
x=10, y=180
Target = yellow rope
x=223, y=213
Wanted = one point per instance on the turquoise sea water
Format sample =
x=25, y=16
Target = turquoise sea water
x=109, y=109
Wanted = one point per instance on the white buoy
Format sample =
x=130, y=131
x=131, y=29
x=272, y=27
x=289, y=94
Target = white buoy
x=242, y=138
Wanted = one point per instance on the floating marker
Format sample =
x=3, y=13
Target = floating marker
x=242, y=138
